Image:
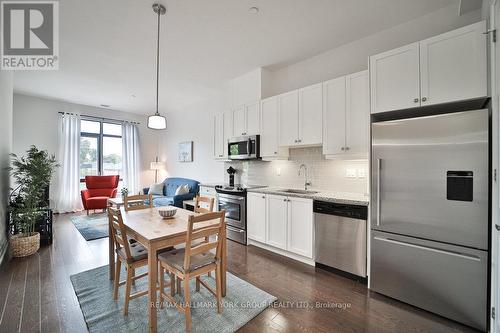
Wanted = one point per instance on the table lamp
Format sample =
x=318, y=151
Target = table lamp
x=156, y=165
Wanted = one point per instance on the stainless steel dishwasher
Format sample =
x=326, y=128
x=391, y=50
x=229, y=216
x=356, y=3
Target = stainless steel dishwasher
x=340, y=232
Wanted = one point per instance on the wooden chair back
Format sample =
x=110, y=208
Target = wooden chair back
x=207, y=200
x=204, y=232
x=119, y=232
x=135, y=202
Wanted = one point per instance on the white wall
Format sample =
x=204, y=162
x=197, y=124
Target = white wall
x=353, y=57
x=36, y=119
x=193, y=124
x=5, y=149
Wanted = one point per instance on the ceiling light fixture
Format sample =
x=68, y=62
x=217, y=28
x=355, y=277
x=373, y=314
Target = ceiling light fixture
x=157, y=121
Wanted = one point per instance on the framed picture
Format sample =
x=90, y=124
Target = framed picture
x=186, y=151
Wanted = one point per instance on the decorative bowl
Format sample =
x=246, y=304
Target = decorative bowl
x=167, y=212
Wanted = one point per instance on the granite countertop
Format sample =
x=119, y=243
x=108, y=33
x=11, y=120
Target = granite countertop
x=336, y=197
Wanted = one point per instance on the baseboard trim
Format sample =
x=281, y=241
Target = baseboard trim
x=287, y=254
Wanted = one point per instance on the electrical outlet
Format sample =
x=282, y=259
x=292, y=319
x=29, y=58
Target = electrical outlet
x=278, y=171
x=350, y=173
x=361, y=173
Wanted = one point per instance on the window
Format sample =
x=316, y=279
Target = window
x=100, y=148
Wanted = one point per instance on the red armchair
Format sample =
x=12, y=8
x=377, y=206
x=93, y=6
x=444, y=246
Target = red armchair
x=99, y=189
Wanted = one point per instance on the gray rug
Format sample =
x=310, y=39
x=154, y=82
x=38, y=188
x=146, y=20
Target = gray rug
x=92, y=226
x=102, y=314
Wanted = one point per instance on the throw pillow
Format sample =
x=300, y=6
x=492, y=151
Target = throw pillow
x=156, y=189
x=183, y=189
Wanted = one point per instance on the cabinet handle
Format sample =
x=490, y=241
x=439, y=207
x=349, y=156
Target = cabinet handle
x=343, y=148
x=284, y=200
x=275, y=152
x=415, y=100
x=263, y=197
x=295, y=141
x=424, y=99
x=347, y=148
x=300, y=140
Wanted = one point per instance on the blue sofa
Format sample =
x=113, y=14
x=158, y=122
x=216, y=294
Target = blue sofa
x=169, y=188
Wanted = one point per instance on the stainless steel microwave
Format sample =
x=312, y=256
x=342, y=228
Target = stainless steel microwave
x=244, y=148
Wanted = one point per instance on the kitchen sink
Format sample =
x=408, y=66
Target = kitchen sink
x=289, y=190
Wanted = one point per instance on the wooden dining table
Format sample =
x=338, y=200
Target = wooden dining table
x=156, y=233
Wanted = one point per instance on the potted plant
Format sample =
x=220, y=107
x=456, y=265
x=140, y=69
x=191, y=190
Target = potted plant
x=32, y=174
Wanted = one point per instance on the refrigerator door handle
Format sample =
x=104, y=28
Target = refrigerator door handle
x=379, y=167
x=431, y=249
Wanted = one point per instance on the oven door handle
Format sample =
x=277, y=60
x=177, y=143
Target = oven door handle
x=223, y=199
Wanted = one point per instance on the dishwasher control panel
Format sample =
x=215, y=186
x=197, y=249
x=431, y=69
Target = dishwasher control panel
x=345, y=210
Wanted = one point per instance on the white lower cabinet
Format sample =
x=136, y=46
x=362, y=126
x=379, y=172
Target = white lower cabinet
x=256, y=216
x=284, y=223
x=277, y=211
x=300, y=226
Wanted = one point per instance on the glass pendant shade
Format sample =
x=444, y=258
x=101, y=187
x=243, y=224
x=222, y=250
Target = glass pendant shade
x=157, y=122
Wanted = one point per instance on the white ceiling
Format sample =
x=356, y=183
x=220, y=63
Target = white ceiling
x=107, y=48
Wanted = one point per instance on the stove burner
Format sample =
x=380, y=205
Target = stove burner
x=238, y=188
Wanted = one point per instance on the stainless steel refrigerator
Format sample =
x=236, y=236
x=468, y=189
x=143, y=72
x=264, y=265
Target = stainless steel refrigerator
x=429, y=214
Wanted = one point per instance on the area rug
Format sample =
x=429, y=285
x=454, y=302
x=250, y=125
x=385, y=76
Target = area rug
x=92, y=226
x=94, y=290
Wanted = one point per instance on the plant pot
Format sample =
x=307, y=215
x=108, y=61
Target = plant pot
x=23, y=245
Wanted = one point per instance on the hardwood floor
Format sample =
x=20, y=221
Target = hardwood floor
x=36, y=294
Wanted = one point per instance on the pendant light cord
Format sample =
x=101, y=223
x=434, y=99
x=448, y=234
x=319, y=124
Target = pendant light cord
x=158, y=62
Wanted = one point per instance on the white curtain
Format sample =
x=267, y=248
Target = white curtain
x=68, y=181
x=130, y=153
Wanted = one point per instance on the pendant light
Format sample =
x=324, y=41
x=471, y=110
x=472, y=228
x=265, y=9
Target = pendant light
x=157, y=121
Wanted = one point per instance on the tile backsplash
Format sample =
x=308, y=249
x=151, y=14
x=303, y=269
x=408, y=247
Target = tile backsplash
x=328, y=175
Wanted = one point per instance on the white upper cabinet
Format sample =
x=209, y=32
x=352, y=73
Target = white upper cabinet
x=223, y=130
x=288, y=105
x=228, y=130
x=256, y=223
x=252, y=112
x=453, y=65
x=269, y=127
x=334, y=112
x=346, y=116
x=300, y=226
x=357, y=115
x=239, y=121
x=445, y=68
x=218, y=136
x=246, y=119
x=301, y=117
x=395, y=82
x=310, y=115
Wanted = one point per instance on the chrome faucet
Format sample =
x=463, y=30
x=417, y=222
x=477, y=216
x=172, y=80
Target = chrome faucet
x=306, y=183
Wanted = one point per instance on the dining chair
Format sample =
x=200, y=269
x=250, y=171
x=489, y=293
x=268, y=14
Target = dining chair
x=198, y=208
x=193, y=261
x=209, y=204
x=135, y=202
x=132, y=255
